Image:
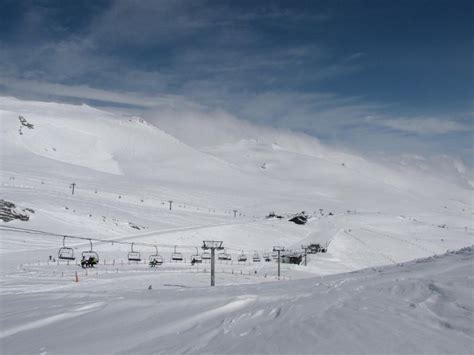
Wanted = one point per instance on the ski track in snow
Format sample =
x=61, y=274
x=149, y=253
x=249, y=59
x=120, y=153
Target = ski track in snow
x=53, y=319
x=390, y=259
x=378, y=233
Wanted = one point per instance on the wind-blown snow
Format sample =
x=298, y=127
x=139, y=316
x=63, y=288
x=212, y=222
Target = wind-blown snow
x=420, y=307
x=126, y=171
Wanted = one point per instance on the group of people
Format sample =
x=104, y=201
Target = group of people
x=91, y=261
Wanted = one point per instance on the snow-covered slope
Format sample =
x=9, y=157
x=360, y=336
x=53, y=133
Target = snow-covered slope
x=86, y=137
x=126, y=171
x=420, y=307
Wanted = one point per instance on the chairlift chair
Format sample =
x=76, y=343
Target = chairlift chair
x=134, y=255
x=275, y=255
x=155, y=258
x=196, y=258
x=266, y=256
x=176, y=256
x=66, y=253
x=224, y=256
x=206, y=256
x=88, y=254
x=256, y=257
x=242, y=257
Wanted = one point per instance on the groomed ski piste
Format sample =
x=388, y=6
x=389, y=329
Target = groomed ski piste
x=397, y=276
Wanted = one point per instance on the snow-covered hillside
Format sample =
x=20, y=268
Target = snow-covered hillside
x=126, y=171
x=420, y=307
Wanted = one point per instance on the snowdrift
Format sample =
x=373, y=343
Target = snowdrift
x=424, y=306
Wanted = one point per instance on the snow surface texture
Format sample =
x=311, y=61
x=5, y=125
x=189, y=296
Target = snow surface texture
x=126, y=170
x=419, y=307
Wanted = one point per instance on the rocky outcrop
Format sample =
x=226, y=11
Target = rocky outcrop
x=9, y=212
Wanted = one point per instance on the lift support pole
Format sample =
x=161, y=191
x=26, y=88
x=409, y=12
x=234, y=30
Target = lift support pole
x=278, y=265
x=278, y=250
x=213, y=263
x=213, y=245
x=305, y=248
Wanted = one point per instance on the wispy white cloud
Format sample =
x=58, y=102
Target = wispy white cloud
x=355, y=56
x=185, y=59
x=84, y=92
x=421, y=125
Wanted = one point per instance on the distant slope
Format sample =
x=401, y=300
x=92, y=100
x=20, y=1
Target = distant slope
x=87, y=137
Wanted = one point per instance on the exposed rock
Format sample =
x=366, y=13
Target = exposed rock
x=9, y=212
x=273, y=215
x=134, y=226
x=299, y=218
x=25, y=123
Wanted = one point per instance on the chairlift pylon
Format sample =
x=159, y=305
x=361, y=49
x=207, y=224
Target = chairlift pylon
x=66, y=253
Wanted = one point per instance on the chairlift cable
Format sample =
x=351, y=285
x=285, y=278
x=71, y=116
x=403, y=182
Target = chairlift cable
x=111, y=241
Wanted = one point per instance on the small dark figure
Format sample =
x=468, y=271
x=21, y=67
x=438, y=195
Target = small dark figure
x=153, y=263
x=92, y=261
x=50, y=257
x=193, y=262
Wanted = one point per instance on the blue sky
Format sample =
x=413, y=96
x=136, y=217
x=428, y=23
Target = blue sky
x=393, y=76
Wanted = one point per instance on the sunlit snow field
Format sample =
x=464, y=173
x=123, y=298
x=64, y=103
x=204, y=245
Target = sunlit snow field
x=357, y=297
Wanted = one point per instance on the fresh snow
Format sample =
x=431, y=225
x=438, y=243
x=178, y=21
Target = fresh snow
x=420, y=307
x=372, y=215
